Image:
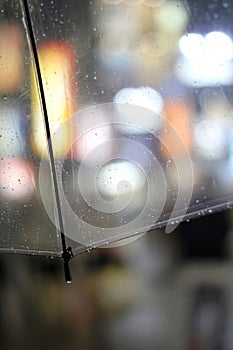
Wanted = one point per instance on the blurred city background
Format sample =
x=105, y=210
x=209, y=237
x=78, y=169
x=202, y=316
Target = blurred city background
x=139, y=97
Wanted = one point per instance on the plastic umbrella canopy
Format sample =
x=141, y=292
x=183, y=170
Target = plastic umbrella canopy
x=115, y=119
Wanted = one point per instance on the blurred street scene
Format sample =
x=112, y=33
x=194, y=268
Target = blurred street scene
x=137, y=136
x=164, y=291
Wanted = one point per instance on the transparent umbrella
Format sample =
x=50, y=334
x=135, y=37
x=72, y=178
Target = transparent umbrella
x=115, y=119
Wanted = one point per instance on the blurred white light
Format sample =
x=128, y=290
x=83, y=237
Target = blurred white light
x=206, y=61
x=120, y=178
x=214, y=47
x=210, y=139
x=91, y=130
x=17, y=179
x=91, y=139
x=144, y=97
x=139, y=120
x=192, y=46
x=220, y=44
x=204, y=73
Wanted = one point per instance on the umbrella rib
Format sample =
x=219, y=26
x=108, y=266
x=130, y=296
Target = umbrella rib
x=67, y=252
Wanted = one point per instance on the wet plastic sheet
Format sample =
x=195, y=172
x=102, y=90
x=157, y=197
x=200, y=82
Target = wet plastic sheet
x=25, y=226
x=139, y=102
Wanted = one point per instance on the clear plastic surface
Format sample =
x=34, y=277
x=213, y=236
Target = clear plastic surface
x=139, y=100
x=24, y=224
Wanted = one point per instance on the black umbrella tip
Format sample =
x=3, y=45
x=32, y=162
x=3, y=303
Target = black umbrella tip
x=67, y=255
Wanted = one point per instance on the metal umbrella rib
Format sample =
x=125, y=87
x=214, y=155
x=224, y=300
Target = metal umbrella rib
x=67, y=252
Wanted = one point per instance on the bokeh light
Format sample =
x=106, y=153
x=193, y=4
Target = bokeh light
x=58, y=69
x=17, y=179
x=91, y=130
x=210, y=139
x=138, y=120
x=171, y=17
x=120, y=178
x=11, y=58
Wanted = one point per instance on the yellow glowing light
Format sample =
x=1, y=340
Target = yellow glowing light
x=153, y=3
x=57, y=64
x=171, y=17
x=11, y=58
x=133, y=2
